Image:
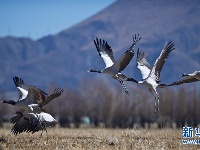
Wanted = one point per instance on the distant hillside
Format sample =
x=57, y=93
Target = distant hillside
x=64, y=58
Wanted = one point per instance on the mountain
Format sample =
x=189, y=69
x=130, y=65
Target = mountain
x=64, y=58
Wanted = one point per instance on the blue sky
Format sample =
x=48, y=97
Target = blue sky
x=38, y=18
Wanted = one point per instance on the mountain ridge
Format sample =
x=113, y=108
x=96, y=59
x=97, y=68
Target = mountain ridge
x=65, y=57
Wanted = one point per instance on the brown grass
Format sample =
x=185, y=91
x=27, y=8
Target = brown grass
x=89, y=138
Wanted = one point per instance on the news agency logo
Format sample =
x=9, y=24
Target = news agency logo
x=188, y=132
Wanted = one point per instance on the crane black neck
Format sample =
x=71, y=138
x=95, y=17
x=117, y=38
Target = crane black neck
x=12, y=102
x=131, y=79
x=94, y=70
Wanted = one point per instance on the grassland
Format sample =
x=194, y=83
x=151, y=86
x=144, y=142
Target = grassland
x=91, y=138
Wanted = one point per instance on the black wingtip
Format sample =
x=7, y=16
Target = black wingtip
x=15, y=79
x=59, y=90
x=140, y=54
x=18, y=81
x=169, y=46
x=95, y=41
x=136, y=38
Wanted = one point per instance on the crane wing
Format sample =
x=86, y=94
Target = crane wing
x=36, y=95
x=105, y=52
x=188, y=79
x=30, y=94
x=158, y=65
x=143, y=65
x=57, y=92
x=125, y=59
x=21, y=86
x=28, y=123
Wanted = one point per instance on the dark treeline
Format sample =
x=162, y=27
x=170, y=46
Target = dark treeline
x=97, y=103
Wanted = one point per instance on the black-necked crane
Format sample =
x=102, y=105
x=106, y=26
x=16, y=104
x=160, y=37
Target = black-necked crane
x=151, y=75
x=188, y=78
x=31, y=96
x=32, y=122
x=114, y=67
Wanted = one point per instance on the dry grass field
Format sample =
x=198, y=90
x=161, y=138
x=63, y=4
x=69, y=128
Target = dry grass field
x=92, y=138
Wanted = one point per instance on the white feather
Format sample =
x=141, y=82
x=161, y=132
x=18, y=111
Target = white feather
x=108, y=62
x=45, y=117
x=24, y=93
x=144, y=71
